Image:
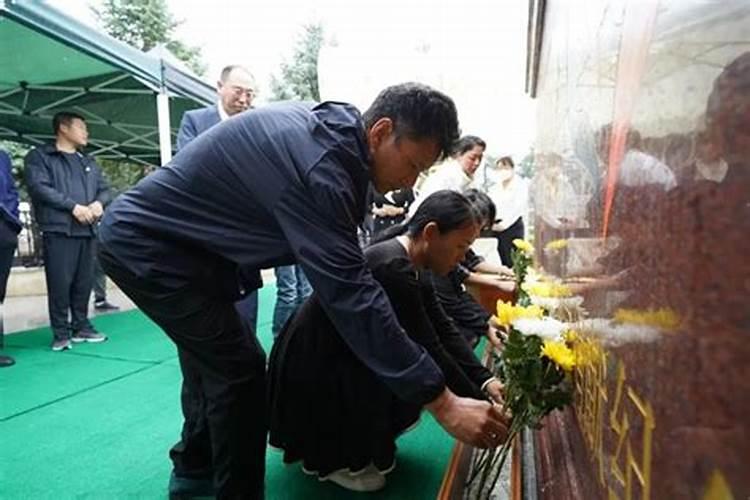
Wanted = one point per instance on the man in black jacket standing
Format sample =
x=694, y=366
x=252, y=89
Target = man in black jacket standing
x=68, y=193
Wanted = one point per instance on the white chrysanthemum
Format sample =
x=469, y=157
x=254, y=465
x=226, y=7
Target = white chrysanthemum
x=547, y=328
x=553, y=303
x=613, y=334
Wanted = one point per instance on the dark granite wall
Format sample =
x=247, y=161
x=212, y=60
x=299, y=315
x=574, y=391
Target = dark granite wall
x=643, y=164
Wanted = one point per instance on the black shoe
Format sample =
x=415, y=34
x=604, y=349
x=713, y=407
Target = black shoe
x=6, y=361
x=184, y=487
x=104, y=306
x=61, y=345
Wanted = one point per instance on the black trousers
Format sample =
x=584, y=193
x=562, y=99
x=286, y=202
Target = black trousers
x=8, y=243
x=191, y=455
x=505, y=241
x=224, y=369
x=69, y=270
x=100, y=281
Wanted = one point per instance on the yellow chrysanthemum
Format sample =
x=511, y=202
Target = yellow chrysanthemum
x=560, y=354
x=663, y=318
x=531, y=312
x=507, y=313
x=571, y=337
x=556, y=245
x=523, y=246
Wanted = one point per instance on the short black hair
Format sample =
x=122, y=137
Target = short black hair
x=418, y=112
x=467, y=143
x=64, y=118
x=483, y=205
x=505, y=160
x=448, y=209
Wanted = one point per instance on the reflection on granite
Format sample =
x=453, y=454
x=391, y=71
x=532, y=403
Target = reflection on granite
x=649, y=125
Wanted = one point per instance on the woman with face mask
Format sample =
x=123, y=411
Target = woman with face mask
x=511, y=198
x=328, y=410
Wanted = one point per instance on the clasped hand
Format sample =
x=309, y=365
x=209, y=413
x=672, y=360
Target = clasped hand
x=88, y=214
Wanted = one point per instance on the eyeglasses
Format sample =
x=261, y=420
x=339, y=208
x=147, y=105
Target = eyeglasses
x=240, y=91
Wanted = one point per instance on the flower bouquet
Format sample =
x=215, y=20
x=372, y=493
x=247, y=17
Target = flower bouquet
x=536, y=376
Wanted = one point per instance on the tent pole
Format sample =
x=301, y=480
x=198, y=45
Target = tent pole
x=165, y=139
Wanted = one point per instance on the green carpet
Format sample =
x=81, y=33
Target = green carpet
x=97, y=421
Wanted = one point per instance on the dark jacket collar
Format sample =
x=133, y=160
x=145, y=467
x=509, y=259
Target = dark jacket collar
x=51, y=149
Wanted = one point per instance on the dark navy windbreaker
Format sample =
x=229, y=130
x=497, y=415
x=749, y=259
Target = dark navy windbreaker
x=269, y=187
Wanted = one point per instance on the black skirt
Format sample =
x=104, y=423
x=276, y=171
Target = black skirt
x=327, y=409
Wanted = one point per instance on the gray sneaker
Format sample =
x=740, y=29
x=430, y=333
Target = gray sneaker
x=61, y=344
x=88, y=336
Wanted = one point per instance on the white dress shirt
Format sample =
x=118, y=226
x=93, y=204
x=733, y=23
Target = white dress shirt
x=450, y=175
x=222, y=113
x=511, y=201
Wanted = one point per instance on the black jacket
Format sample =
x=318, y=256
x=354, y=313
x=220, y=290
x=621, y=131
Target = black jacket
x=57, y=184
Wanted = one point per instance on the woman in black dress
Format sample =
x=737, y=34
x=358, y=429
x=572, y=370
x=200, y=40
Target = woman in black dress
x=327, y=409
x=471, y=319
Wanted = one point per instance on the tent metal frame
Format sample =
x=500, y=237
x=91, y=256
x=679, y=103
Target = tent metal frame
x=134, y=73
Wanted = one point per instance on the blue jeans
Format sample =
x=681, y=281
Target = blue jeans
x=292, y=288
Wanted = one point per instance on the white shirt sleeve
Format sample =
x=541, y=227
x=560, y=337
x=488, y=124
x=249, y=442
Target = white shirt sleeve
x=447, y=176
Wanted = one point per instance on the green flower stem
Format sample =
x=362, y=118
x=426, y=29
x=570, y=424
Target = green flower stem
x=504, y=454
x=489, y=463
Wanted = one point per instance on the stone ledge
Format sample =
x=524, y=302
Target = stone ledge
x=30, y=281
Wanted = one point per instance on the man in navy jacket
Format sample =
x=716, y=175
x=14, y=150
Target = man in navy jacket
x=10, y=226
x=68, y=194
x=286, y=183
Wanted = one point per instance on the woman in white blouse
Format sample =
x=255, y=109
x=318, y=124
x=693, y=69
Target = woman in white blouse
x=511, y=198
x=455, y=174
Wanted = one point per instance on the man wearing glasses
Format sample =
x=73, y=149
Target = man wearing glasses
x=236, y=89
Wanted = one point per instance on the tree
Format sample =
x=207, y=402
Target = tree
x=144, y=24
x=121, y=176
x=525, y=167
x=298, y=79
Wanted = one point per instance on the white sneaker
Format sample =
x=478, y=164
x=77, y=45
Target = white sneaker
x=366, y=480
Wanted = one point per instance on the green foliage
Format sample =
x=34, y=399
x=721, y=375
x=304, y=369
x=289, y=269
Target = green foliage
x=298, y=79
x=190, y=55
x=144, y=24
x=534, y=385
x=521, y=263
x=525, y=167
x=122, y=176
